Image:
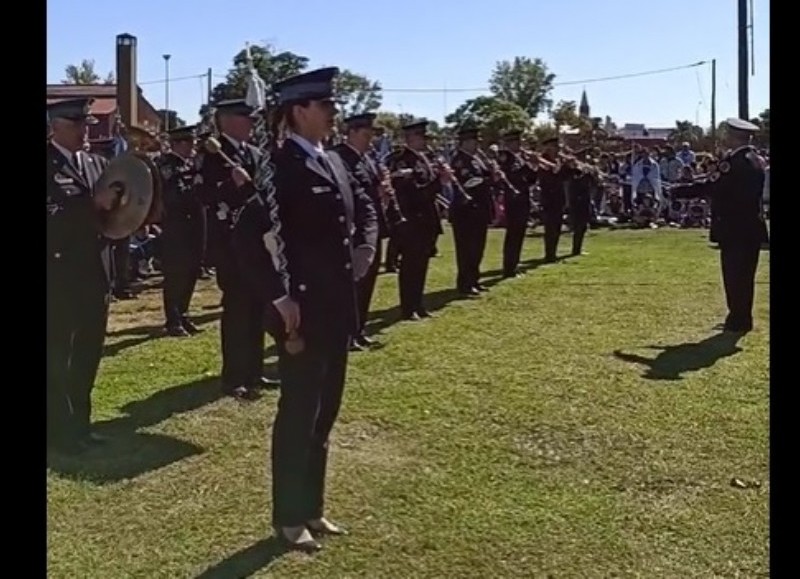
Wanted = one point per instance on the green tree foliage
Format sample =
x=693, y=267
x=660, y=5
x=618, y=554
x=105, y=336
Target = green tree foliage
x=685, y=131
x=357, y=93
x=525, y=82
x=271, y=66
x=85, y=73
x=492, y=114
x=172, y=116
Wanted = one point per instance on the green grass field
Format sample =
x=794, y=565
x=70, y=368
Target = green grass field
x=586, y=420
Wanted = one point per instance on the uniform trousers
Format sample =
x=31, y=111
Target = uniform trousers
x=739, y=264
x=180, y=265
x=76, y=329
x=365, y=288
x=312, y=385
x=516, y=226
x=241, y=328
x=469, y=235
x=553, y=220
x=416, y=246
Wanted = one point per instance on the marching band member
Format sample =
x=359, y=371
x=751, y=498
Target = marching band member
x=522, y=176
x=417, y=185
x=368, y=175
x=224, y=188
x=323, y=243
x=580, y=190
x=552, y=177
x=471, y=210
x=183, y=230
x=79, y=276
x=736, y=192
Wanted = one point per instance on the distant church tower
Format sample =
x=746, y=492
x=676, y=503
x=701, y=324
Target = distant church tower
x=583, y=110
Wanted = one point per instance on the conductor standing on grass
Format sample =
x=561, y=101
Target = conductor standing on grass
x=305, y=258
x=79, y=273
x=736, y=191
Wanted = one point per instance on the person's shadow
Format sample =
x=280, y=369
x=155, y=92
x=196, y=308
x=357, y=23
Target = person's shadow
x=674, y=361
x=246, y=562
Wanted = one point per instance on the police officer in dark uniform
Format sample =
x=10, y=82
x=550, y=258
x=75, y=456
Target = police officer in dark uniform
x=470, y=210
x=580, y=189
x=522, y=176
x=354, y=153
x=224, y=189
x=305, y=255
x=736, y=191
x=416, y=184
x=183, y=230
x=552, y=176
x=79, y=274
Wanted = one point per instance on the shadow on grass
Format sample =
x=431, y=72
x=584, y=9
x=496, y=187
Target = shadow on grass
x=380, y=320
x=145, y=333
x=674, y=361
x=246, y=562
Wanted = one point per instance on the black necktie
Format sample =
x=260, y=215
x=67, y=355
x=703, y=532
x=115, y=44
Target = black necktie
x=325, y=164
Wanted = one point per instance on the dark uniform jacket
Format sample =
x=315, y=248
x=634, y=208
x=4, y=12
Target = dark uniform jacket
x=78, y=257
x=476, y=180
x=220, y=194
x=580, y=189
x=551, y=183
x=183, y=218
x=736, y=192
x=322, y=219
x=368, y=176
x=416, y=193
x=522, y=176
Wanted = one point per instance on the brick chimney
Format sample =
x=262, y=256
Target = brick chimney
x=127, y=89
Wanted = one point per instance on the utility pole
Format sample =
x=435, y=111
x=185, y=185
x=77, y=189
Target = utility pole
x=744, y=68
x=208, y=86
x=714, y=101
x=166, y=58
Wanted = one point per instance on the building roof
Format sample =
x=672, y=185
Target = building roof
x=105, y=96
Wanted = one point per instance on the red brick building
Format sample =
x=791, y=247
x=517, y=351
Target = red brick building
x=104, y=107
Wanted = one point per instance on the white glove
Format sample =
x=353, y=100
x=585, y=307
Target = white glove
x=362, y=259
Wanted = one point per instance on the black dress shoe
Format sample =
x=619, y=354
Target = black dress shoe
x=243, y=393
x=96, y=439
x=412, y=317
x=189, y=326
x=268, y=383
x=308, y=546
x=481, y=288
x=326, y=528
x=365, y=341
x=125, y=294
x=424, y=314
x=356, y=347
x=177, y=332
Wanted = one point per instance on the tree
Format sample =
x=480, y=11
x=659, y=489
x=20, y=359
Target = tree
x=272, y=67
x=525, y=82
x=565, y=114
x=544, y=131
x=492, y=114
x=357, y=93
x=763, y=123
x=174, y=120
x=85, y=73
x=685, y=131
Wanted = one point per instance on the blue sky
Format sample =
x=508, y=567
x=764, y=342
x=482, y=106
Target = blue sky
x=435, y=45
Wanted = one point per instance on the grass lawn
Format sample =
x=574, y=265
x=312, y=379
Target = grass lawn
x=586, y=420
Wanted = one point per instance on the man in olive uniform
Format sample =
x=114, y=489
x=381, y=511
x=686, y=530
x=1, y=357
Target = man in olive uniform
x=553, y=200
x=224, y=189
x=359, y=132
x=416, y=185
x=470, y=210
x=736, y=191
x=580, y=189
x=517, y=201
x=79, y=273
x=183, y=230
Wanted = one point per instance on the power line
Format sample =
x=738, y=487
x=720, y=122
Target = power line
x=171, y=80
x=483, y=89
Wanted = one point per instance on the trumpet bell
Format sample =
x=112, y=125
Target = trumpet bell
x=135, y=179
